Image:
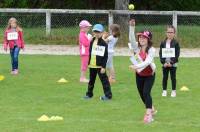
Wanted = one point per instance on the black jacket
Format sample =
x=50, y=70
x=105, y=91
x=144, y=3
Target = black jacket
x=100, y=60
x=173, y=44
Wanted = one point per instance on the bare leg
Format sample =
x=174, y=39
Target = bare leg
x=83, y=77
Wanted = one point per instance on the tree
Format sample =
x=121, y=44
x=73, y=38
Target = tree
x=122, y=20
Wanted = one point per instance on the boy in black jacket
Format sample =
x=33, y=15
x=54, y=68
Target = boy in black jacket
x=97, y=63
x=169, y=54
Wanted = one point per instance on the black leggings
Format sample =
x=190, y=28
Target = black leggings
x=144, y=85
x=166, y=71
x=104, y=80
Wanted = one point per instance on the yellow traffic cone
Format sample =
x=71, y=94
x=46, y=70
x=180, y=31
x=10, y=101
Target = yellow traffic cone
x=43, y=118
x=184, y=88
x=2, y=77
x=62, y=80
x=56, y=118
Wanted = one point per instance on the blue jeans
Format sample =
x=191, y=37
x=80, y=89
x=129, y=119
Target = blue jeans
x=14, y=53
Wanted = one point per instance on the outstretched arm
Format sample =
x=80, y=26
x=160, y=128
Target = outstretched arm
x=134, y=45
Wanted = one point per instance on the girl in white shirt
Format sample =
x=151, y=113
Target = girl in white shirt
x=112, y=40
x=169, y=60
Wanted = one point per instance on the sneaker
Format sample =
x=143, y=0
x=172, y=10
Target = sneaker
x=104, y=98
x=164, y=93
x=87, y=97
x=15, y=72
x=148, y=118
x=84, y=80
x=173, y=93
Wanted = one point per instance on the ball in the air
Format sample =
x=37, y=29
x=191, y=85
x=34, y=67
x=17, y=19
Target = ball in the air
x=131, y=7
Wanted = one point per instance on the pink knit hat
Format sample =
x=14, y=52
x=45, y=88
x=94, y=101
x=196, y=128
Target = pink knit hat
x=84, y=23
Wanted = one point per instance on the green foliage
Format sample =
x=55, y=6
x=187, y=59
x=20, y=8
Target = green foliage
x=14, y=3
x=63, y=4
x=167, y=5
x=183, y=5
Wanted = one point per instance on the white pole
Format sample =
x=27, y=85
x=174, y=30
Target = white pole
x=175, y=20
x=110, y=19
x=48, y=23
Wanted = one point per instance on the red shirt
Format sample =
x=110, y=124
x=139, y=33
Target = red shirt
x=148, y=70
x=11, y=43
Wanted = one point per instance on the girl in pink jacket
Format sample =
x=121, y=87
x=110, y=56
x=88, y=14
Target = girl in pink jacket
x=84, y=44
x=13, y=38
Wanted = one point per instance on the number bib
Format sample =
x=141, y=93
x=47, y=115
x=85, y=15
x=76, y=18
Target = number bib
x=168, y=52
x=83, y=49
x=12, y=36
x=98, y=50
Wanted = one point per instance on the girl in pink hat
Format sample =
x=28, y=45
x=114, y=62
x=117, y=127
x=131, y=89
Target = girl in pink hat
x=144, y=66
x=84, y=44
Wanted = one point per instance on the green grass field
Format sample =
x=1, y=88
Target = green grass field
x=188, y=36
x=35, y=91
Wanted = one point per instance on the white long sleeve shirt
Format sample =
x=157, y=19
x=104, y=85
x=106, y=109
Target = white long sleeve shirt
x=136, y=49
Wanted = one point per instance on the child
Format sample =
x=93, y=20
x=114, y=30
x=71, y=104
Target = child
x=84, y=44
x=169, y=61
x=112, y=40
x=144, y=67
x=98, y=55
x=13, y=37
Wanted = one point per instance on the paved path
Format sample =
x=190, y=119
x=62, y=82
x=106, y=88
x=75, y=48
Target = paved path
x=74, y=50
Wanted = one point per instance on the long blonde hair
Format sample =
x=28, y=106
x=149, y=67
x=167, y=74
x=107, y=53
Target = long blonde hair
x=18, y=28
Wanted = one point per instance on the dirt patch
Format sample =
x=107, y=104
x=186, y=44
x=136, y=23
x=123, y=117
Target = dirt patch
x=74, y=50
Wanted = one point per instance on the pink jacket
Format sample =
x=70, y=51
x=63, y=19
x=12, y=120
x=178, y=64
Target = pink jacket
x=10, y=43
x=84, y=44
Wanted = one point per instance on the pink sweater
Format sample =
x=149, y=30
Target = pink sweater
x=10, y=43
x=84, y=44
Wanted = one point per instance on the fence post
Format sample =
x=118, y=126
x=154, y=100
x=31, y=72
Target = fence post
x=48, y=23
x=110, y=19
x=175, y=20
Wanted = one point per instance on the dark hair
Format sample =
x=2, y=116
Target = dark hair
x=115, y=28
x=149, y=43
x=171, y=26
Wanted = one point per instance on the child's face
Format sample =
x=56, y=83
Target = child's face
x=85, y=29
x=143, y=40
x=112, y=31
x=97, y=34
x=13, y=24
x=170, y=33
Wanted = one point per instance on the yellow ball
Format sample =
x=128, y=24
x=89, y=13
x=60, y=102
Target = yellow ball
x=131, y=7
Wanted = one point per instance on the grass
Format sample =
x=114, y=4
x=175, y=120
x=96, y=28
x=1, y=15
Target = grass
x=187, y=35
x=35, y=92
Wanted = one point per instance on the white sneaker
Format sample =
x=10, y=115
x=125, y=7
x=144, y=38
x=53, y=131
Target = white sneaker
x=164, y=93
x=173, y=93
x=148, y=118
x=84, y=80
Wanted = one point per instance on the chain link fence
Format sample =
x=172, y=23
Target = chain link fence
x=44, y=26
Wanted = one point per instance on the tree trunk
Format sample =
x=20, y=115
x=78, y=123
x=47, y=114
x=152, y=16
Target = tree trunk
x=122, y=20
